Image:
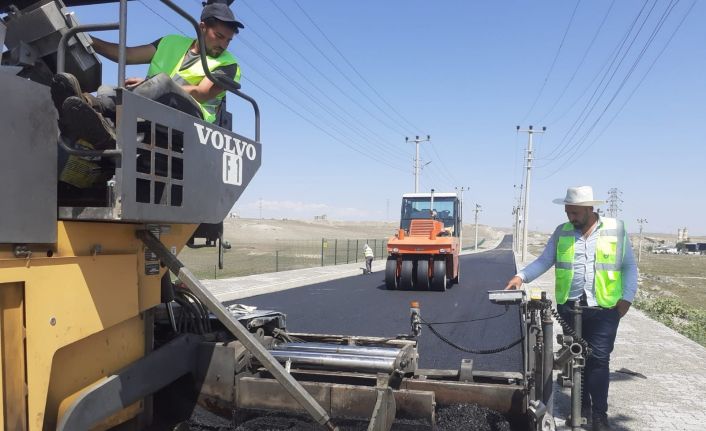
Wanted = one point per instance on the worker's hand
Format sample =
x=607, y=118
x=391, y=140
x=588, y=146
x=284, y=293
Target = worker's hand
x=622, y=306
x=133, y=82
x=514, y=283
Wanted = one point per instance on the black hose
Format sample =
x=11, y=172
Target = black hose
x=507, y=307
x=203, y=311
x=468, y=350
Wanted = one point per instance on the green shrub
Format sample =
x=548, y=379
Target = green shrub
x=675, y=314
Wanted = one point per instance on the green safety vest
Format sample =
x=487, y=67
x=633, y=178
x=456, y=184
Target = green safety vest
x=610, y=250
x=168, y=58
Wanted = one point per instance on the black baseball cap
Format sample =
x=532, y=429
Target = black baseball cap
x=221, y=12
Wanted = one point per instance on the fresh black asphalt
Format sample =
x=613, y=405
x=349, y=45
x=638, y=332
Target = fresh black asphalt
x=362, y=305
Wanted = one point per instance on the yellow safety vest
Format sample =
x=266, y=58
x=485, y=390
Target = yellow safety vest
x=610, y=250
x=168, y=59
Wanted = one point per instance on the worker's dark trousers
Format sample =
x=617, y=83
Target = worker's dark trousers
x=369, y=264
x=160, y=88
x=599, y=328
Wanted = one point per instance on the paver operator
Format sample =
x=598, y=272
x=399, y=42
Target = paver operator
x=594, y=266
x=177, y=78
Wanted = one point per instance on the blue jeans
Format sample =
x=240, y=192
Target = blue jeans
x=599, y=327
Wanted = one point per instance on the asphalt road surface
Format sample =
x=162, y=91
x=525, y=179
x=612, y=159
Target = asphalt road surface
x=362, y=305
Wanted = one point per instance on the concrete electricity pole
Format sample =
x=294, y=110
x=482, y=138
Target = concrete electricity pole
x=639, y=247
x=525, y=220
x=460, y=190
x=516, y=210
x=417, y=166
x=477, y=210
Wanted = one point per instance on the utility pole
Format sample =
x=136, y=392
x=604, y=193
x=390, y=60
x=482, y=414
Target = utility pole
x=525, y=219
x=614, y=202
x=417, y=165
x=516, y=210
x=460, y=190
x=477, y=210
x=639, y=247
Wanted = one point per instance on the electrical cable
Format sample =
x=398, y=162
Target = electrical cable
x=585, y=112
x=570, y=150
x=644, y=76
x=313, y=85
x=507, y=308
x=304, y=58
x=570, y=155
x=326, y=110
x=377, y=148
x=313, y=123
x=362, y=78
x=578, y=67
x=338, y=69
x=551, y=68
x=469, y=350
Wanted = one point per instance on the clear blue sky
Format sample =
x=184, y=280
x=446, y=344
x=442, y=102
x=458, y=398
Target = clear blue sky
x=618, y=115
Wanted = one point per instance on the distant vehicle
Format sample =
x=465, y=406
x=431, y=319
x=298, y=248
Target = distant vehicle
x=423, y=254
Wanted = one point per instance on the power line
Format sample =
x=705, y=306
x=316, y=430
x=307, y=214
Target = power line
x=585, y=112
x=313, y=123
x=583, y=59
x=313, y=85
x=551, y=68
x=644, y=76
x=286, y=105
x=160, y=16
x=362, y=78
x=379, y=146
x=324, y=76
x=573, y=150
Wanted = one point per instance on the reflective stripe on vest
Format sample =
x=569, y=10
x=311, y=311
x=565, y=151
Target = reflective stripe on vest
x=168, y=59
x=610, y=249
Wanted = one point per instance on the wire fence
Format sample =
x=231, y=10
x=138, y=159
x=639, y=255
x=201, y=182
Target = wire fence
x=248, y=258
x=281, y=255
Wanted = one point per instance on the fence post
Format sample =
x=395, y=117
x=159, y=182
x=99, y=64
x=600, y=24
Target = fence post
x=357, y=247
x=322, y=251
x=348, y=249
x=335, y=252
x=276, y=260
x=375, y=247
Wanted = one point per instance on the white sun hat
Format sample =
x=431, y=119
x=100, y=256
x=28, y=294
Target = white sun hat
x=580, y=196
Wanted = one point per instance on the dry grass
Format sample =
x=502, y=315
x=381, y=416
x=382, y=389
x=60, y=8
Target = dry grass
x=681, y=276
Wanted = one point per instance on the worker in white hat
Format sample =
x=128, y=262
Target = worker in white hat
x=595, y=267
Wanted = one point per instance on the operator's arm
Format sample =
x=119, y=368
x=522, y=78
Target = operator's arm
x=134, y=54
x=207, y=89
x=629, y=274
x=538, y=267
